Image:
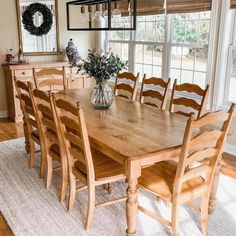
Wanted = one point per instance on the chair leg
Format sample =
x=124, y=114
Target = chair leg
x=32, y=153
x=49, y=172
x=72, y=192
x=175, y=219
x=204, y=214
x=91, y=207
x=63, y=182
x=43, y=161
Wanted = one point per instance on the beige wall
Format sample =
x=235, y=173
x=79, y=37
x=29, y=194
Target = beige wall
x=9, y=39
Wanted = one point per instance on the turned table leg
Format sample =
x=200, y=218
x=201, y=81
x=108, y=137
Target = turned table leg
x=133, y=171
x=216, y=178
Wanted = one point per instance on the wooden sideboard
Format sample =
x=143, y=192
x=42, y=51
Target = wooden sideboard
x=25, y=72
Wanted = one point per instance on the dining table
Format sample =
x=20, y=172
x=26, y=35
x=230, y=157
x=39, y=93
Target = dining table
x=133, y=134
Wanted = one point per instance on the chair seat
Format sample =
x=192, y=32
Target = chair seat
x=159, y=179
x=104, y=166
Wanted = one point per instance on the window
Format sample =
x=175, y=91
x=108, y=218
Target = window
x=166, y=45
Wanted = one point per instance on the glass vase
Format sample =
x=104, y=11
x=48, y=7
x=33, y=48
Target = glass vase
x=102, y=96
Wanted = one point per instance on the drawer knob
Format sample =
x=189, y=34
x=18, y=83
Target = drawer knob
x=23, y=73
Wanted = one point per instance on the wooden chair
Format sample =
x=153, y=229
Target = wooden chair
x=189, y=102
x=155, y=94
x=54, y=147
x=192, y=177
x=32, y=132
x=130, y=88
x=50, y=79
x=90, y=167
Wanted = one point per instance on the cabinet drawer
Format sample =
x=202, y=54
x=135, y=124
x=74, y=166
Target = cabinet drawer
x=23, y=73
x=76, y=82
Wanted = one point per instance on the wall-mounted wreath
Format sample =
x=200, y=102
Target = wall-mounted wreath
x=28, y=19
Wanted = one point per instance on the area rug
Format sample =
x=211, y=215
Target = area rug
x=30, y=209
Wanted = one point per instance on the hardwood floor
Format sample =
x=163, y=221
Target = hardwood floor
x=10, y=130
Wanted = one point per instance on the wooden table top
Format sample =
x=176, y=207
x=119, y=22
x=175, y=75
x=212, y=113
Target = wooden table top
x=129, y=129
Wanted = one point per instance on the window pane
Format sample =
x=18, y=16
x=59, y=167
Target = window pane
x=157, y=56
x=175, y=74
x=147, y=69
x=139, y=69
x=200, y=79
x=201, y=59
x=139, y=53
x=148, y=53
x=186, y=76
x=157, y=71
x=188, y=58
x=150, y=28
x=176, y=57
x=191, y=27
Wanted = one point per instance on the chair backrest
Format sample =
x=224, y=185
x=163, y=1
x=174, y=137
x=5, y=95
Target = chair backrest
x=193, y=89
x=130, y=87
x=75, y=136
x=47, y=120
x=26, y=105
x=202, y=147
x=155, y=93
x=50, y=79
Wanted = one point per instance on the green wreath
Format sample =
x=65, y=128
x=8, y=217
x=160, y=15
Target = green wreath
x=28, y=22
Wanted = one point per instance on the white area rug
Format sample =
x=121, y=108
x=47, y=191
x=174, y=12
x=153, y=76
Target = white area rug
x=30, y=209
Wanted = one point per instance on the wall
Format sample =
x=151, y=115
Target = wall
x=9, y=39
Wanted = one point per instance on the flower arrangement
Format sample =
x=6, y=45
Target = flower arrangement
x=101, y=66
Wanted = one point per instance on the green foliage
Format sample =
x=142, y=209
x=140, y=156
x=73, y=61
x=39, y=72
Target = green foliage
x=101, y=66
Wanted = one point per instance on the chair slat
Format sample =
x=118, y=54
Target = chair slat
x=212, y=118
x=45, y=110
x=205, y=139
x=49, y=124
x=201, y=155
x=70, y=123
x=153, y=94
x=156, y=81
x=187, y=102
x=26, y=99
x=125, y=87
x=196, y=172
x=127, y=75
x=49, y=71
x=74, y=139
x=41, y=94
x=67, y=106
x=191, y=88
x=22, y=85
x=78, y=155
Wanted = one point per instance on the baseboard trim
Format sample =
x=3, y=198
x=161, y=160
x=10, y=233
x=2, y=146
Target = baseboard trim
x=3, y=114
x=231, y=149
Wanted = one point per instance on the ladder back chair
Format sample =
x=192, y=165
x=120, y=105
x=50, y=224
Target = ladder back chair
x=54, y=147
x=193, y=89
x=153, y=93
x=32, y=132
x=192, y=176
x=50, y=79
x=86, y=165
x=129, y=89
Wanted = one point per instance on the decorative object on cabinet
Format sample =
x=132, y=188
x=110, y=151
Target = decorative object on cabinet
x=38, y=27
x=72, y=52
x=101, y=66
x=101, y=14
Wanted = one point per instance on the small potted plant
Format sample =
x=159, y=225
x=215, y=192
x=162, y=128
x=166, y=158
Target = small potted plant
x=101, y=66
